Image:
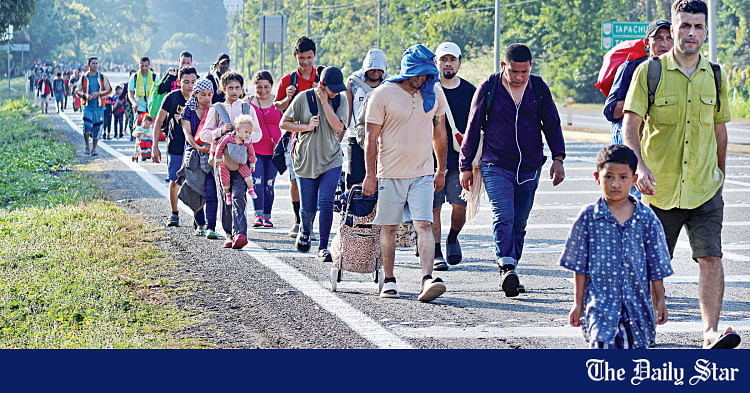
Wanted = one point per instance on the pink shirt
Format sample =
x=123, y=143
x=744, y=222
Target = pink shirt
x=213, y=127
x=269, y=122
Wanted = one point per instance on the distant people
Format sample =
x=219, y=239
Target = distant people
x=130, y=114
x=66, y=79
x=170, y=114
x=618, y=315
x=521, y=111
x=93, y=89
x=219, y=68
x=139, y=88
x=659, y=42
x=317, y=118
x=118, y=112
x=297, y=81
x=265, y=170
x=358, y=87
x=682, y=154
x=233, y=218
x=405, y=124
x=58, y=86
x=107, y=125
x=168, y=83
x=44, y=89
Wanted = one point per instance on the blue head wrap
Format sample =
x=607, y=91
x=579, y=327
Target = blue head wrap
x=418, y=60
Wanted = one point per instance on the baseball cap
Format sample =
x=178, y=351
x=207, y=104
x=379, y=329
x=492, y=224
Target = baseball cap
x=333, y=79
x=222, y=57
x=447, y=48
x=656, y=25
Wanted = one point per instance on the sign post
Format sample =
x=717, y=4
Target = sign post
x=614, y=33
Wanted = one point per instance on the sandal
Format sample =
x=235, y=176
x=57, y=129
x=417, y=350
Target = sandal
x=211, y=234
x=200, y=232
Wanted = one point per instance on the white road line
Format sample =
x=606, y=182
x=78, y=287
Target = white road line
x=738, y=183
x=478, y=227
x=363, y=325
x=490, y=331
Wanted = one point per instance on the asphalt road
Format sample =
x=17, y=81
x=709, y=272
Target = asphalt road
x=268, y=295
x=737, y=132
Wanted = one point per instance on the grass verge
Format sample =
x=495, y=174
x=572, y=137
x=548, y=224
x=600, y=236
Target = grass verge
x=76, y=271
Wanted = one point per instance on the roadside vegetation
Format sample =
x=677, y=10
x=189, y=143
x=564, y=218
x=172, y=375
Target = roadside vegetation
x=76, y=271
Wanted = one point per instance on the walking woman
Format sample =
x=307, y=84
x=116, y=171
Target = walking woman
x=316, y=117
x=193, y=117
x=264, y=176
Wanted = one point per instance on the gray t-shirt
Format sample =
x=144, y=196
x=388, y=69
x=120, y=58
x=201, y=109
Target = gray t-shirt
x=318, y=151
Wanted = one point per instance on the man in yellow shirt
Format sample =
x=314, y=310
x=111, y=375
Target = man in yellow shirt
x=682, y=154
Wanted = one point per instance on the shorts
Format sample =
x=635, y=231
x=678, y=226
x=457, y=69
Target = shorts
x=92, y=120
x=703, y=226
x=59, y=97
x=174, y=163
x=290, y=165
x=413, y=195
x=451, y=193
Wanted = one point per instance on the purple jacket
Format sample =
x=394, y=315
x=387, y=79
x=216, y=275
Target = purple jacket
x=499, y=146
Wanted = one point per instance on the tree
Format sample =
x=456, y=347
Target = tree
x=16, y=13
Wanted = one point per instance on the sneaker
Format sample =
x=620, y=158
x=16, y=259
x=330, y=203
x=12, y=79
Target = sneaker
x=389, y=290
x=453, y=253
x=252, y=194
x=229, y=199
x=521, y=288
x=303, y=242
x=86, y=150
x=174, y=221
x=439, y=264
x=94, y=153
x=267, y=223
x=509, y=281
x=239, y=242
x=211, y=234
x=432, y=288
x=228, y=243
x=200, y=232
x=258, y=222
x=324, y=256
x=294, y=230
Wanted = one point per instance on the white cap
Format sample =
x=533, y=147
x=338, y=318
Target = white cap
x=447, y=48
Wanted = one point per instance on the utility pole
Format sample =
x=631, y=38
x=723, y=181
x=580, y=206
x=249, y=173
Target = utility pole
x=262, y=36
x=648, y=10
x=380, y=4
x=308, y=18
x=498, y=42
x=712, y=54
x=244, y=62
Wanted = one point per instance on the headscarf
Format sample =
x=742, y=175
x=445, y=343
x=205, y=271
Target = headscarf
x=418, y=60
x=200, y=85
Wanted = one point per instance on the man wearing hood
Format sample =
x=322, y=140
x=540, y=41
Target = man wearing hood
x=405, y=123
x=358, y=86
x=217, y=70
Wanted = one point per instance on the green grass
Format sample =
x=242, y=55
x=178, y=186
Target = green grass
x=15, y=83
x=76, y=271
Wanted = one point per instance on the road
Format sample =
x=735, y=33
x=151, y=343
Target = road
x=287, y=293
x=738, y=132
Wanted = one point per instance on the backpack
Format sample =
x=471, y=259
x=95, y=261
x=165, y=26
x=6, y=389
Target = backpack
x=154, y=103
x=293, y=79
x=654, y=76
x=312, y=104
x=620, y=53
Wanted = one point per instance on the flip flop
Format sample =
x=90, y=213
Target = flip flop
x=726, y=341
x=453, y=253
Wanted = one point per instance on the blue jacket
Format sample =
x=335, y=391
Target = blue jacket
x=618, y=92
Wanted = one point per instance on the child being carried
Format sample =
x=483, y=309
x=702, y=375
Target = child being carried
x=243, y=127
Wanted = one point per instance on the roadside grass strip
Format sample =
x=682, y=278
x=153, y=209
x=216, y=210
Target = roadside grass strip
x=75, y=271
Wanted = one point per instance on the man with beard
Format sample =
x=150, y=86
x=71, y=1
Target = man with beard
x=459, y=93
x=217, y=70
x=358, y=87
x=404, y=125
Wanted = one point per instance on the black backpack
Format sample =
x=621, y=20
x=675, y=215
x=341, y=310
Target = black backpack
x=313, y=104
x=536, y=84
x=654, y=76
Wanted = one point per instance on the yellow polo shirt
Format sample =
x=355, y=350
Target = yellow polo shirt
x=678, y=143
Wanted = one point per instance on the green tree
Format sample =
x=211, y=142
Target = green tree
x=16, y=13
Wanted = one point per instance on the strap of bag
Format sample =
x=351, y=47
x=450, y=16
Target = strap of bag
x=222, y=112
x=489, y=95
x=311, y=103
x=652, y=79
x=717, y=82
x=455, y=134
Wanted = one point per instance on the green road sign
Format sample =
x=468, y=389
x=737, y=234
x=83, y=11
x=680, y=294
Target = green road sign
x=615, y=32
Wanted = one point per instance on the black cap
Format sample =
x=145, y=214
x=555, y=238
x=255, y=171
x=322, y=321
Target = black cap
x=656, y=25
x=222, y=57
x=333, y=79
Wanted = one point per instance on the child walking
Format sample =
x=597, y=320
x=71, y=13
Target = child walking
x=243, y=127
x=619, y=254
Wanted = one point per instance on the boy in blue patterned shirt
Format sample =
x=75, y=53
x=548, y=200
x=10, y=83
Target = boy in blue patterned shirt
x=619, y=254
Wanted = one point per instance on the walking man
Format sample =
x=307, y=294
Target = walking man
x=514, y=109
x=93, y=89
x=404, y=125
x=217, y=70
x=682, y=153
x=458, y=92
x=139, y=88
x=169, y=82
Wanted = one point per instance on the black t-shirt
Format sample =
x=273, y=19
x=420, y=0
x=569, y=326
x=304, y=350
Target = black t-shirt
x=459, y=100
x=173, y=104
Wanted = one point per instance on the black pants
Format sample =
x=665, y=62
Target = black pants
x=118, y=124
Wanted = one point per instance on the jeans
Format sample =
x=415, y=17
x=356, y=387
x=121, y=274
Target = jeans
x=511, y=204
x=207, y=214
x=118, y=124
x=233, y=218
x=264, y=178
x=318, y=193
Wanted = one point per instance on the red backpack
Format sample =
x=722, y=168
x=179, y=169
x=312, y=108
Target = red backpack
x=620, y=53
